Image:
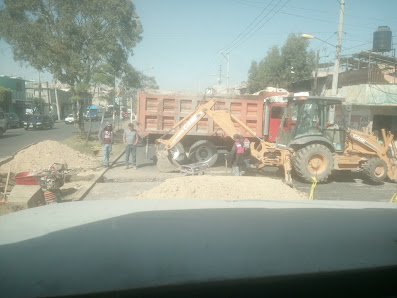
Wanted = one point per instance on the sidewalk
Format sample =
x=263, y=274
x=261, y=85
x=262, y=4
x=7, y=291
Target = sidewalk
x=119, y=183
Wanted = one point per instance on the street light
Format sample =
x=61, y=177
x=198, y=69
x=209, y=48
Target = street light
x=151, y=67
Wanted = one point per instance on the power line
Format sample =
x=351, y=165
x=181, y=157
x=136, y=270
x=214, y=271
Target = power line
x=356, y=46
x=388, y=94
x=238, y=37
x=242, y=41
x=361, y=45
x=248, y=3
x=325, y=41
x=325, y=21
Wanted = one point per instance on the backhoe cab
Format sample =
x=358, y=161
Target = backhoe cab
x=307, y=120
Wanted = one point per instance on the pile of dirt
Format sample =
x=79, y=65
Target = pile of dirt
x=44, y=154
x=223, y=188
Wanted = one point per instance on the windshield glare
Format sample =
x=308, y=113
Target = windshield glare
x=260, y=103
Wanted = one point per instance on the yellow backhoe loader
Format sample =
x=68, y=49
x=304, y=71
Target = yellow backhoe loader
x=321, y=144
x=307, y=142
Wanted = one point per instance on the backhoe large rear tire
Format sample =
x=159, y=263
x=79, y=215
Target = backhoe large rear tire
x=314, y=160
x=375, y=170
x=203, y=151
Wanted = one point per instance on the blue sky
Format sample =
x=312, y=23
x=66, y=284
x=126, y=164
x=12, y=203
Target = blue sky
x=181, y=37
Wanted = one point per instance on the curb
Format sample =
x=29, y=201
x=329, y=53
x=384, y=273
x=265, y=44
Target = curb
x=100, y=175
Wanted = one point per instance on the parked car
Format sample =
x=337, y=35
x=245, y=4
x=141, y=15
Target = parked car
x=38, y=122
x=23, y=118
x=3, y=123
x=12, y=119
x=69, y=119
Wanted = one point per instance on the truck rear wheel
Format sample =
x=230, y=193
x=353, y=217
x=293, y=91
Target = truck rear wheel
x=203, y=151
x=375, y=170
x=314, y=160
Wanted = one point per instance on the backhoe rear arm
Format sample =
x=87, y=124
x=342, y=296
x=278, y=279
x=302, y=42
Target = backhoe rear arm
x=187, y=124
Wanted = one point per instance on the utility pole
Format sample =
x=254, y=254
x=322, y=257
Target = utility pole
x=56, y=100
x=42, y=107
x=49, y=100
x=338, y=49
x=39, y=86
x=316, y=73
x=226, y=54
x=335, y=77
x=220, y=75
x=114, y=98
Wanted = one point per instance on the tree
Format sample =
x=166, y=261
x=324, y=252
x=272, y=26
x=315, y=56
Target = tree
x=253, y=78
x=134, y=81
x=38, y=105
x=281, y=67
x=296, y=57
x=74, y=40
x=5, y=98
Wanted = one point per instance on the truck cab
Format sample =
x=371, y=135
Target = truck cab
x=272, y=116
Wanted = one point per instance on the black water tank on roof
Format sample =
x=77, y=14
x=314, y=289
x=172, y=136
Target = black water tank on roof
x=382, y=39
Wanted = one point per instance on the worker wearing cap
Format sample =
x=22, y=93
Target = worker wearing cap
x=106, y=138
x=236, y=156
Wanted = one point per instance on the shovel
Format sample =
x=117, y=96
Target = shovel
x=225, y=164
x=5, y=189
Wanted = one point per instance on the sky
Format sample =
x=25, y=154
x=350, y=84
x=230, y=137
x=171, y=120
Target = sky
x=182, y=39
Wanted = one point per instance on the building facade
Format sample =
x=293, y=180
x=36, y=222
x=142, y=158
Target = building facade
x=18, y=90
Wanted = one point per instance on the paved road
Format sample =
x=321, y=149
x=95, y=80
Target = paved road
x=17, y=138
x=344, y=186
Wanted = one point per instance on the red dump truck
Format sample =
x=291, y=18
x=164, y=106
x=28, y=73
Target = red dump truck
x=158, y=112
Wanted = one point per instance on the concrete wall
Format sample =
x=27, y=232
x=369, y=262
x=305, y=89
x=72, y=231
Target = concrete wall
x=381, y=116
x=368, y=94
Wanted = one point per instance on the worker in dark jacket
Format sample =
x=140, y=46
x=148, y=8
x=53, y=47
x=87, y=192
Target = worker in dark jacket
x=106, y=138
x=236, y=156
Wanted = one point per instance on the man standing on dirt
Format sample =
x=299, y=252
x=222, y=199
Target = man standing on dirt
x=106, y=138
x=236, y=156
x=130, y=139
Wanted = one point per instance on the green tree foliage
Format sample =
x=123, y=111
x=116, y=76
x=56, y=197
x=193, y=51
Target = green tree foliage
x=133, y=81
x=74, y=40
x=38, y=105
x=5, y=98
x=281, y=67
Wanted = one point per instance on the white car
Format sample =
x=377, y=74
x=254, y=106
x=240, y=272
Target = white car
x=69, y=119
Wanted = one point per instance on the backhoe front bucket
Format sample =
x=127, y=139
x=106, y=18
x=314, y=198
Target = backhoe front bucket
x=165, y=163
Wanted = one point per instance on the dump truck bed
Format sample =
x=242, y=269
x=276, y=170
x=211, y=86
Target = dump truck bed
x=158, y=112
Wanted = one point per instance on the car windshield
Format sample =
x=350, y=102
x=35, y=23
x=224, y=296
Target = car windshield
x=229, y=100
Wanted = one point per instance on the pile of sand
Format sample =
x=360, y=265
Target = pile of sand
x=44, y=154
x=223, y=188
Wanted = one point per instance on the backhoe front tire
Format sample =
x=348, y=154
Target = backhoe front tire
x=375, y=170
x=314, y=160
